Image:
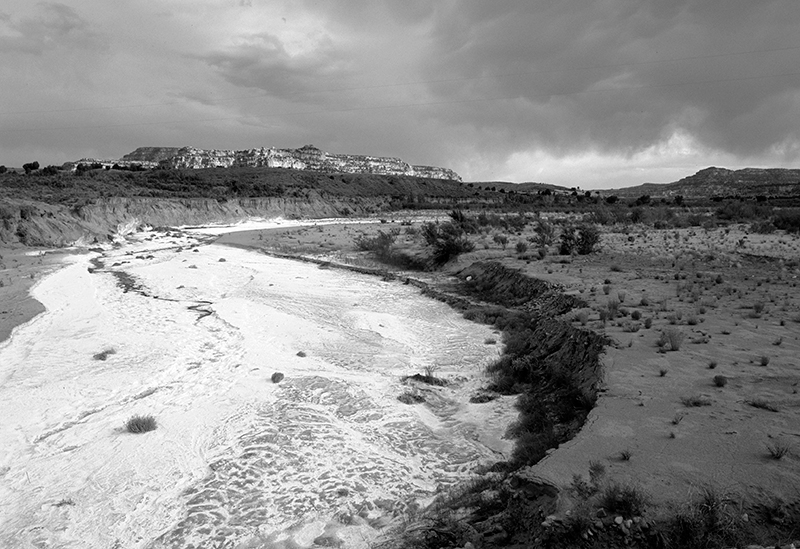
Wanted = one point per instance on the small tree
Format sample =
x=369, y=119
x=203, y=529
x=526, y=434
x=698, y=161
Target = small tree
x=588, y=238
x=545, y=234
x=30, y=166
x=568, y=241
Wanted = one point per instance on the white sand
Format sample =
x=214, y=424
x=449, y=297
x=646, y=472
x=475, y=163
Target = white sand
x=329, y=440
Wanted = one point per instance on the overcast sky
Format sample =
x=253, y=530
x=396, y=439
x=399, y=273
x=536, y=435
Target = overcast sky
x=595, y=94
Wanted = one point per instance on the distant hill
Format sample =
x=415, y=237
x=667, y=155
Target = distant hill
x=721, y=182
x=529, y=187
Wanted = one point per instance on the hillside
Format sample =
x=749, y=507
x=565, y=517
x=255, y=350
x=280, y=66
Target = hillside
x=722, y=182
x=65, y=207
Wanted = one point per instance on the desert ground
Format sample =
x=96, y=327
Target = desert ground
x=719, y=409
x=715, y=408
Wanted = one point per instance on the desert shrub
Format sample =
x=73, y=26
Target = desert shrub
x=648, y=322
x=695, y=401
x=588, y=239
x=447, y=240
x=671, y=339
x=764, y=360
x=710, y=521
x=622, y=499
x=636, y=315
x=277, y=377
x=778, y=449
x=568, y=241
x=380, y=245
x=501, y=239
x=788, y=220
x=104, y=354
x=521, y=247
x=411, y=398
x=720, y=381
x=545, y=234
x=140, y=424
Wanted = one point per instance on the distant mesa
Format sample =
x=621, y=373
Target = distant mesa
x=305, y=158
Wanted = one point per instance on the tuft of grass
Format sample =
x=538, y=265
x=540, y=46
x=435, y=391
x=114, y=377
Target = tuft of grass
x=626, y=500
x=677, y=419
x=695, y=401
x=712, y=364
x=625, y=455
x=761, y=404
x=720, y=381
x=778, y=449
x=140, y=424
x=662, y=372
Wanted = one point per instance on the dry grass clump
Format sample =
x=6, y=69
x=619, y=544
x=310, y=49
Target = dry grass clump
x=777, y=449
x=761, y=404
x=671, y=339
x=140, y=424
x=695, y=401
x=104, y=354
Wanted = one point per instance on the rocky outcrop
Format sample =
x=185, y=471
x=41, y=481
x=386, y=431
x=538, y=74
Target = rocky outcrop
x=305, y=158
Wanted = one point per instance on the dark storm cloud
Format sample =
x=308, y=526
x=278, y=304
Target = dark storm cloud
x=598, y=75
x=262, y=61
x=55, y=25
x=616, y=91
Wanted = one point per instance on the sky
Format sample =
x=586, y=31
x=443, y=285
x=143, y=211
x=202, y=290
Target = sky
x=592, y=94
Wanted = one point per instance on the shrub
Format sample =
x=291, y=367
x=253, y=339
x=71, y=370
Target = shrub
x=777, y=450
x=277, y=377
x=588, y=239
x=788, y=220
x=521, y=247
x=764, y=360
x=140, y=424
x=706, y=522
x=720, y=381
x=568, y=241
x=545, y=234
x=411, y=398
x=636, y=315
x=447, y=240
x=672, y=338
x=501, y=239
x=625, y=500
x=104, y=354
x=695, y=401
x=380, y=245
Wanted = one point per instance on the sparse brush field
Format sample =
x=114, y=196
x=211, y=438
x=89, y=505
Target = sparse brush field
x=717, y=295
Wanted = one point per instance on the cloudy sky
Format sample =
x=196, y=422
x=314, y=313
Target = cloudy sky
x=595, y=94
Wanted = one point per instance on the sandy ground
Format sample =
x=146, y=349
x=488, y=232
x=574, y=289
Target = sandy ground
x=193, y=333
x=20, y=268
x=733, y=296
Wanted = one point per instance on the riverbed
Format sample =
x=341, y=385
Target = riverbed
x=194, y=333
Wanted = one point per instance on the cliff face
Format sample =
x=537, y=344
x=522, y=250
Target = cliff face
x=305, y=158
